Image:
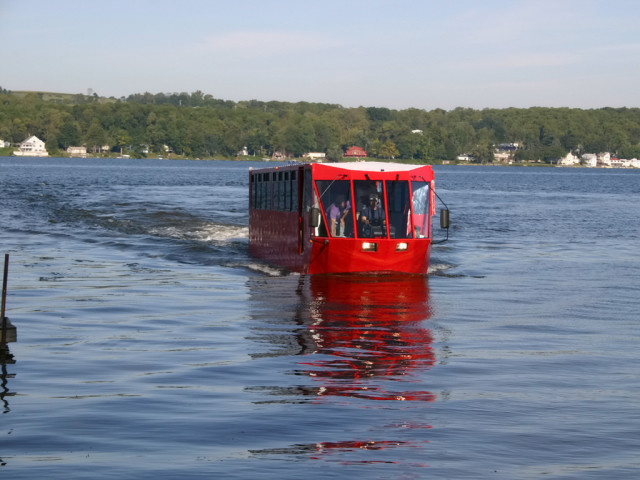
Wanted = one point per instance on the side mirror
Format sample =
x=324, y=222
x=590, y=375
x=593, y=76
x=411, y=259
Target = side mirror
x=314, y=217
x=444, y=218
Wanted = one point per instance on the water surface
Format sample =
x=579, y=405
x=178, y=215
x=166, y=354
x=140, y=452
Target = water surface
x=150, y=345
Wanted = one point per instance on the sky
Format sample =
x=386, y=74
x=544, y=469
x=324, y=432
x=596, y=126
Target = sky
x=397, y=54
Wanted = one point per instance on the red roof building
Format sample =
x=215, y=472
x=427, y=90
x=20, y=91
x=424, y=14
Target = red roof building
x=356, y=152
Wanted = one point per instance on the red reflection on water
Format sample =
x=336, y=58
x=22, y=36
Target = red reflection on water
x=323, y=450
x=366, y=330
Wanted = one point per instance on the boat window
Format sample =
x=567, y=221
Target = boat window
x=369, y=207
x=257, y=191
x=276, y=194
x=399, y=209
x=275, y=191
x=421, y=217
x=265, y=198
x=284, y=191
x=335, y=199
x=307, y=190
x=253, y=190
x=293, y=193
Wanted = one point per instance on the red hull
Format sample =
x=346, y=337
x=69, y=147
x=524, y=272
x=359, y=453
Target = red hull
x=275, y=239
x=345, y=255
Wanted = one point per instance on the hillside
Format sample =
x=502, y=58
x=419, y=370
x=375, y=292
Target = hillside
x=197, y=125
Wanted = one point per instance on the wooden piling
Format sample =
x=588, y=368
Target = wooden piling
x=9, y=333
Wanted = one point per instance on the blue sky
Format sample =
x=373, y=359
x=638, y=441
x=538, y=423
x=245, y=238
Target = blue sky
x=397, y=54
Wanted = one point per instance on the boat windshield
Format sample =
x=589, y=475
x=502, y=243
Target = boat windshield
x=335, y=197
x=399, y=209
x=366, y=214
x=421, y=217
x=369, y=205
x=377, y=218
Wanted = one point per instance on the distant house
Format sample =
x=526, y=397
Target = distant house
x=278, y=156
x=355, y=152
x=31, y=147
x=507, y=147
x=77, y=151
x=4, y=144
x=504, y=157
x=618, y=162
x=315, y=156
x=505, y=152
x=590, y=160
x=604, y=159
x=569, y=160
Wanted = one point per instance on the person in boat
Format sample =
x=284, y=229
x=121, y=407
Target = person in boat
x=336, y=213
x=372, y=218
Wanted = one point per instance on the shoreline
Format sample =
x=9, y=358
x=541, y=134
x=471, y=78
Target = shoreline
x=256, y=159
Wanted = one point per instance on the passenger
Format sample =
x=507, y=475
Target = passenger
x=372, y=218
x=336, y=213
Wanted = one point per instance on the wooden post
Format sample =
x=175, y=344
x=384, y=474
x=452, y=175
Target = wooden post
x=3, y=340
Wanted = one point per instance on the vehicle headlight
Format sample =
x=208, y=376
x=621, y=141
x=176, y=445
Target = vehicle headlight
x=402, y=246
x=369, y=247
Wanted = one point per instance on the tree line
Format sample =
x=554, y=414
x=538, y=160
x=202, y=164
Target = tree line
x=197, y=125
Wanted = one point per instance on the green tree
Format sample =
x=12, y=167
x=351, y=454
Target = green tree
x=299, y=137
x=335, y=153
x=388, y=150
x=69, y=134
x=95, y=137
x=120, y=140
x=198, y=124
x=483, y=152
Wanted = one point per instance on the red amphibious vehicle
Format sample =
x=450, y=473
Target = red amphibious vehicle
x=343, y=218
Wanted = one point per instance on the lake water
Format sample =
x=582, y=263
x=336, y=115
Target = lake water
x=151, y=346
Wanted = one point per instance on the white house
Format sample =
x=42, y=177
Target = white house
x=4, y=144
x=31, y=147
x=315, y=156
x=569, y=160
x=619, y=162
x=604, y=159
x=625, y=163
x=77, y=151
x=504, y=157
x=590, y=160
